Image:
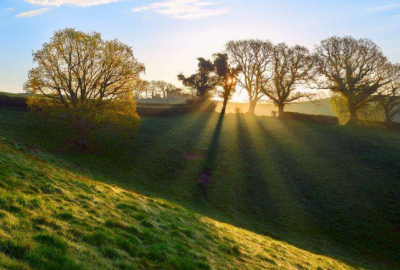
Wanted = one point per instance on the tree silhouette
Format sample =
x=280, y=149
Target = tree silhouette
x=389, y=96
x=291, y=67
x=203, y=82
x=254, y=58
x=227, y=78
x=357, y=69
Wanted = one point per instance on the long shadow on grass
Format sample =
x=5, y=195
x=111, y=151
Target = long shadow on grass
x=364, y=210
x=258, y=198
x=156, y=152
x=313, y=184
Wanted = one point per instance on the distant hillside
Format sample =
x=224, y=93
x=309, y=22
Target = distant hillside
x=14, y=94
x=321, y=107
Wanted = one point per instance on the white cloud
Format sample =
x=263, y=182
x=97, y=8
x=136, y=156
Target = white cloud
x=32, y=13
x=79, y=3
x=185, y=9
x=384, y=8
x=9, y=9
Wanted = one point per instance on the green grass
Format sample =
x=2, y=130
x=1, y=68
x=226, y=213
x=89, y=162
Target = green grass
x=305, y=195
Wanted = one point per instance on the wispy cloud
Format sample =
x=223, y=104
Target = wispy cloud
x=79, y=3
x=32, y=13
x=185, y=9
x=385, y=8
x=9, y=9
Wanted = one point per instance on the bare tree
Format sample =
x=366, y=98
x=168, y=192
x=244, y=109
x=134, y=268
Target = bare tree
x=354, y=68
x=291, y=67
x=165, y=88
x=389, y=95
x=153, y=91
x=85, y=80
x=254, y=58
x=227, y=78
x=139, y=88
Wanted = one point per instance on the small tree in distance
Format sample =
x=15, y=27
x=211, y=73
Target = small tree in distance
x=290, y=67
x=227, y=77
x=203, y=82
x=86, y=81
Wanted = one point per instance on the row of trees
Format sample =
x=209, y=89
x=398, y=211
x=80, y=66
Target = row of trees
x=159, y=89
x=354, y=70
x=92, y=83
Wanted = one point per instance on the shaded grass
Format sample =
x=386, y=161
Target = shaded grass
x=85, y=224
x=330, y=190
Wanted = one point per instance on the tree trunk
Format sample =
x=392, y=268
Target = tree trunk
x=252, y=107
x=388, y=120
x=224, y=106
x=281, y=112
x=353, y=115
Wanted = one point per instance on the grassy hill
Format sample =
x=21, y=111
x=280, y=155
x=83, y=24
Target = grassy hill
x=54, y=219
x=296, y=195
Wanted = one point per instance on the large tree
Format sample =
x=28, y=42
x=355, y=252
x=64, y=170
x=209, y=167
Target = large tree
x=254, y=58
x=227, y=77
x=203, y=82
x=291, y=67
x=85, y=80
x=355, y=68
x=389, y=95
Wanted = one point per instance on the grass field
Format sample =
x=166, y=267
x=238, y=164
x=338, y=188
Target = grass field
x=306, y=195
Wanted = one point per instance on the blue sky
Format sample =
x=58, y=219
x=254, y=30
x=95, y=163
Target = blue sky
x=168, y=35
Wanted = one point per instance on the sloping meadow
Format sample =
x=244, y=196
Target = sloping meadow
x=51, y=218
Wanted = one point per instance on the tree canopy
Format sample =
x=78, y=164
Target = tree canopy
x=355, y=68
x=86, y=80
x=227, y=77
x=253, y=57
x=291, y=67
x=203, y=82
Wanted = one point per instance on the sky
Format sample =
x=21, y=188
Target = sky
x=168, y=35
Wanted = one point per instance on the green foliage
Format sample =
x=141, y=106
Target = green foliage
x=368, y=112
x=85, y=81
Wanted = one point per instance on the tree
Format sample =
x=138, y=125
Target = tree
x=291, y=67
x=227, y=77
x=203, y=82
x=389, y=96
x=165, y=88
x=152, y=89
x=139, y=88
x=370, y=111
x=354, y=68
x=86, y=81
x=253, y=57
